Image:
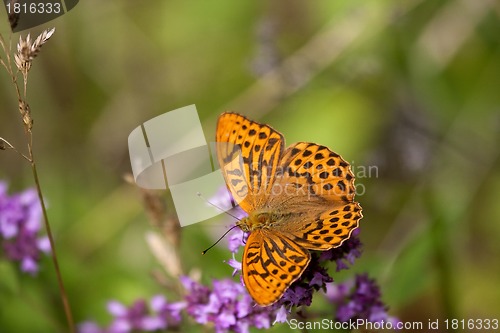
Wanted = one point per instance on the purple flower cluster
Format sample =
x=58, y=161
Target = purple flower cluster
x=346, y=254
x=20, y=224
x=159, y=315
x=228, y=307
x=358, y=299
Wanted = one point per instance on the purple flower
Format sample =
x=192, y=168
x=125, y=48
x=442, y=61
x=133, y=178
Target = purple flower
x=158, y=315
x=170, y=313
x=20, y=223
x=234, y=264
x=90, y=327
x=228, y=306
x=223, y=199
x=337, y=292
x=237, y=239
x=344, y=254
x=358, y=299
x=134, y=318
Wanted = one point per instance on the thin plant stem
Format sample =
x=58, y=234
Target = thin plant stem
x=10, y=146
x=64, y=296
x=29, y=138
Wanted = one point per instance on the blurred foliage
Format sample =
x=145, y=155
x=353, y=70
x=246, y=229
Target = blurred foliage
x=410, y=87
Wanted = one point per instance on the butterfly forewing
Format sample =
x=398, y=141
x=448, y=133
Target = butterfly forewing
x=271, y=263
x=317, y=171
x=248, y=155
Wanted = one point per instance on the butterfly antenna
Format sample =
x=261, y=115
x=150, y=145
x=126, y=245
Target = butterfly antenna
x=222, y=210
x=211, y=246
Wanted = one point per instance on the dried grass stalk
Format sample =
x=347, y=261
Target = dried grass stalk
x=27, y=51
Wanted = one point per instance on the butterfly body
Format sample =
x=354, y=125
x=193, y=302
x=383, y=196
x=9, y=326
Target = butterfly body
x=297, y=199
x=257, y=220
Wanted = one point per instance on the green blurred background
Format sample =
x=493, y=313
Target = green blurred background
x=408, y=87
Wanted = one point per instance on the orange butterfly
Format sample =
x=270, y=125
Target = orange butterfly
x=298, y=199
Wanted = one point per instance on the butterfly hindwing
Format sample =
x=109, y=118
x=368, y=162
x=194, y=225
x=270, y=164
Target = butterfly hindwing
x=324, y=230
x=271, y=263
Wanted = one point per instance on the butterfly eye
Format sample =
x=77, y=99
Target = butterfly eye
x=263, y=218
